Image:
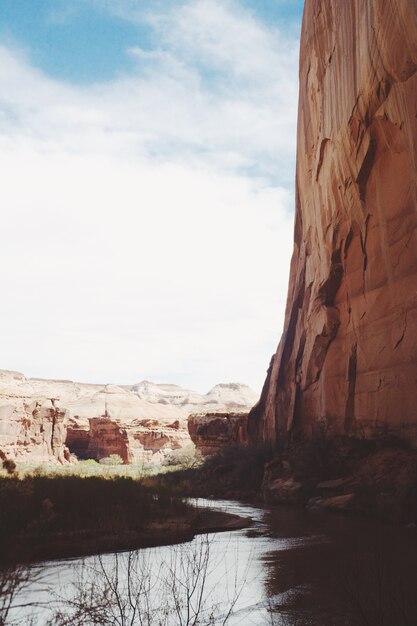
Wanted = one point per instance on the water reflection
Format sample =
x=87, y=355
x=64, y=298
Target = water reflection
x=179, y=585
x=292, y=568
x=361, y=573
x=201, y=582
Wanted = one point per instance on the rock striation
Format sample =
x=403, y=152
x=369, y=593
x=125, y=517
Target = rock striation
x=212, y=432
x=347, y=359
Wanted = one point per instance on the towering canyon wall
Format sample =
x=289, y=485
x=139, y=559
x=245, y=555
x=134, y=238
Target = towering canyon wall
x=347, y=358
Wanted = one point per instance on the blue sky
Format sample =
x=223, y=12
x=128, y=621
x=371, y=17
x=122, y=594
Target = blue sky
x=84, y=41
x=74, y=41
x=148, y=159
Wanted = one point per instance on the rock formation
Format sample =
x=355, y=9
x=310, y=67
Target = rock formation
x=347, y=359
x=78, y=437
x=210, y=432
x=135, y=442
x=142, y=422
x=36, y=433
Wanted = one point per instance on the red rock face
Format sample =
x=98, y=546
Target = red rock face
x=348, y=355
x=212, y=432
x=107, y=437
x=135, y=442
x=78, y=439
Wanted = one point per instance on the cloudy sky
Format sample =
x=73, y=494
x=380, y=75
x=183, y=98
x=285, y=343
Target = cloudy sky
x=147, y=156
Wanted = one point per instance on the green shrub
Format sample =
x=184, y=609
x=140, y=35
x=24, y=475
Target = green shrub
x=186, y=457
x=113, y=459
x=87, y=463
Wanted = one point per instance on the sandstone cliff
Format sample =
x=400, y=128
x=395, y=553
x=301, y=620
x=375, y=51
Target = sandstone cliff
x=212, y=432
x=142, y=422
x=136, y=441
x=347, y=359
x=31, y=429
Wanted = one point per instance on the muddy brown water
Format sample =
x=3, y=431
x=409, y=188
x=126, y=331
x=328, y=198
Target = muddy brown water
x=292, y=567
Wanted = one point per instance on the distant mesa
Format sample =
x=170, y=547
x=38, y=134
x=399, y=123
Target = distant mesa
x=45, y=421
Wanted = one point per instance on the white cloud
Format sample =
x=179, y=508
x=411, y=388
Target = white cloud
x=143, y=232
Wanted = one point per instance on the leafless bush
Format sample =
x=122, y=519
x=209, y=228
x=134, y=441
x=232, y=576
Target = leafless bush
x=125, y=590
x=13, y=581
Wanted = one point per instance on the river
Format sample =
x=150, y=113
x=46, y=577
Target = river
x=293, y=567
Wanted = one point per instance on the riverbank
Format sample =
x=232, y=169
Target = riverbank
x=368, y=478
x=32, y=548
x=365, y=478
x=60, y=517
x=298, y=567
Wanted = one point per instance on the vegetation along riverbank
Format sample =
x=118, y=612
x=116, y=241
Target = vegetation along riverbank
x=58, y=516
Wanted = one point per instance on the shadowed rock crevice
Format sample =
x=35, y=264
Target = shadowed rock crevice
x=350, y=403
x=403, y=333
x=364, y=238
x=366, y=169
x=328, y=290
x=321, y=156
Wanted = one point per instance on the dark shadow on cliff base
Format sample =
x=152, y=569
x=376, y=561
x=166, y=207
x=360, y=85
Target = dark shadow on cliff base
x=235, y=473
x=353, y=572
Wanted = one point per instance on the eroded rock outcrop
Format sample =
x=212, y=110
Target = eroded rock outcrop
x=142, y=422
x=78, y=437
x=135, y=442
x=211, y=432
x=347, y=359
x=35, y=434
